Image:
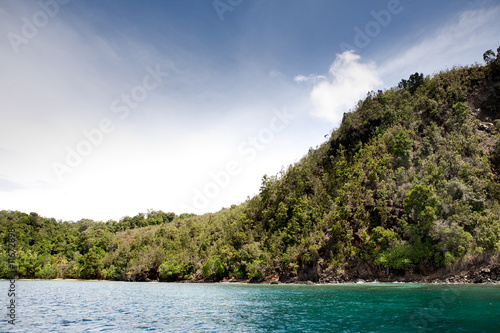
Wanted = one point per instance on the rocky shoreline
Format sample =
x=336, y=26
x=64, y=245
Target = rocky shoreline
x=486, y=274
x=482, y=275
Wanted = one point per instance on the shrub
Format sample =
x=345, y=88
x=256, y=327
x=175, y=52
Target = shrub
x=213, y=268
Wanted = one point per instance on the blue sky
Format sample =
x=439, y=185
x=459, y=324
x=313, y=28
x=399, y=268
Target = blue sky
x=111, y=108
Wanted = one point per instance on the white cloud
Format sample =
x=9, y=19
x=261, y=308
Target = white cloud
x=348, y=81
x=301, y=78
x=312, y=78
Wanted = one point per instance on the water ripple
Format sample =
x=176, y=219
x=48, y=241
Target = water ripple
x=85, y=306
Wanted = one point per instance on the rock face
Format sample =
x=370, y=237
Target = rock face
x=486, y=275
x=481, y=274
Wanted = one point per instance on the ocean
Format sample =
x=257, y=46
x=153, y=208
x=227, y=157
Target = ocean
x=104, y=306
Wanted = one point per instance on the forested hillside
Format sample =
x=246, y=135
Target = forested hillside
x=407, y=186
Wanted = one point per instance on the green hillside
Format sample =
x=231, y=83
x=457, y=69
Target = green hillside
x=407, y=186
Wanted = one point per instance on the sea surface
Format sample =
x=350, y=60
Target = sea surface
x=100, y=306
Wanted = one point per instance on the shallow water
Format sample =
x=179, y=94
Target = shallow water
x=95, y=306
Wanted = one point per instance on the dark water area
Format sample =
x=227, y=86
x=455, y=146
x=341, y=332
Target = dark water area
x=91, y=306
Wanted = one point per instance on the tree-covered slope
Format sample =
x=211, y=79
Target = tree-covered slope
x=408, y=185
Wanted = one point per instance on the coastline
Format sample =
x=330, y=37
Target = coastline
x=487, y=273
x=249, y=282
x=434, y=282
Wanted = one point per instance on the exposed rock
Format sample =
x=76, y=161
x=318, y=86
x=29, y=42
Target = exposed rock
x=484, y=126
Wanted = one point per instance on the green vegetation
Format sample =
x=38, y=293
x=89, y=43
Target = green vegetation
x=409, y=182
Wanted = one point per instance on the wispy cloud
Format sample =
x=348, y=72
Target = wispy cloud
x=348, y=80
x=464, y=37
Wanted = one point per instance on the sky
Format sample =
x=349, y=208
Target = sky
x=110, y=108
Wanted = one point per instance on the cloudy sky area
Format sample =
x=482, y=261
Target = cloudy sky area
x=111, y=108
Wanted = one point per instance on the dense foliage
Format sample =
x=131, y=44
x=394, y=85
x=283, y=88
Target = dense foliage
x=409, y=182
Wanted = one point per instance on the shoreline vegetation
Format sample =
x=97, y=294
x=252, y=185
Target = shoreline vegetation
x=462, y=280
x=407, y=189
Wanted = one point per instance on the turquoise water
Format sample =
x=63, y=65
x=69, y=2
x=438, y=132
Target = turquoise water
x=86, y=306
